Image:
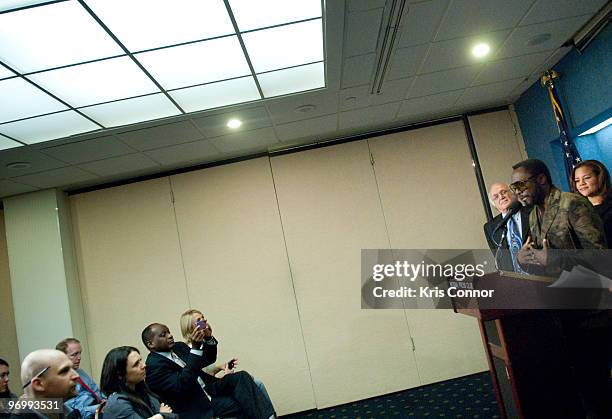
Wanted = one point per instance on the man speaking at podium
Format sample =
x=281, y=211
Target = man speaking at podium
x=561, y=220
x=506, y=232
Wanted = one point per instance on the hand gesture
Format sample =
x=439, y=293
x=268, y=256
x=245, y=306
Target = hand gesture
x=164, y=408
x=524, y=255
x=229, y=366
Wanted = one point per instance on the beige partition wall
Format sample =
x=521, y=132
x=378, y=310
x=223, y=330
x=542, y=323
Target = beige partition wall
x=238, y=275
x=129, y=264
x=9, y=351
x=499, y=145
x=431, y=201
x=330, y=211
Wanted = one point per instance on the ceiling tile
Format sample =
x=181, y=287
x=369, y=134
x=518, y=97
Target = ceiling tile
x=295, y=44
x=188, y=65
x=361, y=5
x=20, y=99
x=96, y=82
x=357, y=70
x=52, y=35
x=14, y=4
x=511, y=68
x=422, y=106
x=160, y=25
x=215, y=125
x=471, y=17
x=5, y=72
x=421, y=23
x=85, y=151
x=6, y=143
x=122, y=165
x=406, y=61
x=361, y=32
x=251, y=15
x=308, y=128
x=457, y=52
x=560, y=31
x=370, y=117
x=188, y=153
x=161, y=136
x=546, y=10
x=64, y=176
x=292, y=80
x=48, y=127
x=130, y=111
x=295, y=107
x=8, y=188
x=246, y=142
x=38, y=161
x=359, y=97
x=215, y=95
x=488, y=94
x=442, y=81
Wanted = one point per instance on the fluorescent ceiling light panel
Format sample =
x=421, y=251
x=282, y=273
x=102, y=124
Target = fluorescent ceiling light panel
x=197, y=63
x=6, y=143
x=251, y=14
x=48, y=127
x=96, y=82
x=292, y=80
x=130, y=111
x=597, y=127
x=217, y=94
x=52, y=35
x=20, y=99
x=146, y=24
x=5, y=72
x=14, y=4
x=285, y=46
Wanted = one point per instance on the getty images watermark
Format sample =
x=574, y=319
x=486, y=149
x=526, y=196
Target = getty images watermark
x=469, y=278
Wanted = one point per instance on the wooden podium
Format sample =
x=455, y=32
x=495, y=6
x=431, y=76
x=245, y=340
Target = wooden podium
x=526, y=352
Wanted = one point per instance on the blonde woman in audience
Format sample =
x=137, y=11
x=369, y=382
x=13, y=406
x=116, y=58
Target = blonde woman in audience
x=189, y=320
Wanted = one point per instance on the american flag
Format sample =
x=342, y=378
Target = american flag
x=571, y=156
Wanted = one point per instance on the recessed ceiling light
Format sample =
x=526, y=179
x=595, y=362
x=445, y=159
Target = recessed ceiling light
x=538, y=39
x=18, y=165
x=481, y=50
x=234, y=123
x=305, y=108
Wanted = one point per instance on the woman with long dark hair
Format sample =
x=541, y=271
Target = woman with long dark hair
x=123, y=374
x=591, y=179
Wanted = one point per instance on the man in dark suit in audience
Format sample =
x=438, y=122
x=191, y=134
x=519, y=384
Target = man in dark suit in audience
x=502, y=198
x=174, y=372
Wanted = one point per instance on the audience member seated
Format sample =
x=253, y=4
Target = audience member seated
x=123, y=375
x=174, y=372
x=5, y=392
x=47, y=374
x=89, y=397
x=592, y=180
x=189, y=320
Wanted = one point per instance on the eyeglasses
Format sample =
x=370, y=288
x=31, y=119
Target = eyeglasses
x=500, y=194
x=36, y=376
x=520, y=185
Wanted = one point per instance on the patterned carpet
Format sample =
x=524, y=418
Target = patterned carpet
x=466, y=397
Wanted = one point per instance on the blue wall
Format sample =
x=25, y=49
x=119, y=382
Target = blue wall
x=586, y=96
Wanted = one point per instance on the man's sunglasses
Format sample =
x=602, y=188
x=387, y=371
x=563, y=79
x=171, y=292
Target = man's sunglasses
x=520, y=185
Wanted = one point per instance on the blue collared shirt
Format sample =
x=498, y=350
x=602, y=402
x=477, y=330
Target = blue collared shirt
x=84, y=401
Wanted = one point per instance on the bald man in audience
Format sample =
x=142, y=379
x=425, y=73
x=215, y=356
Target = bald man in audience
x=514, y=233
x=47, y=374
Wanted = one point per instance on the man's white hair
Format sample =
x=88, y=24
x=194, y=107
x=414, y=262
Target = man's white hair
x=491, y=187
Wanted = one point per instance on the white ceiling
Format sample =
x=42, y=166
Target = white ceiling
x=431, y=75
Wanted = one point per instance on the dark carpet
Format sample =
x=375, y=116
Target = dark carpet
x=466, y=397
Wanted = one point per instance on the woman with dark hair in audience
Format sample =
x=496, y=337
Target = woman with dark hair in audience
x=592, y=180
x=5, y=392
x=123, y=374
